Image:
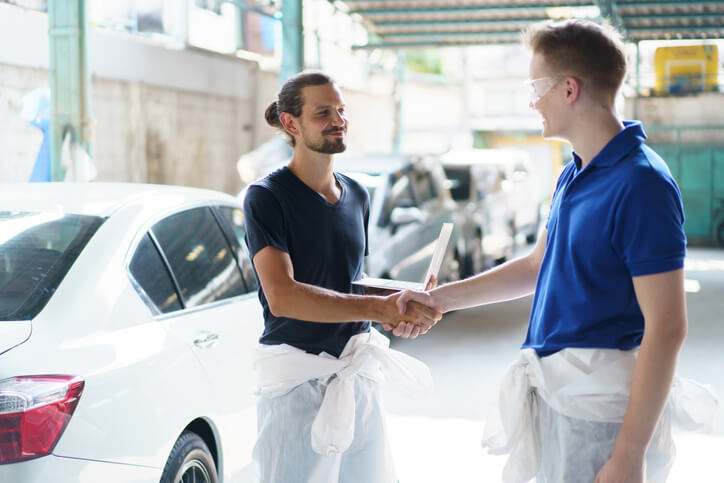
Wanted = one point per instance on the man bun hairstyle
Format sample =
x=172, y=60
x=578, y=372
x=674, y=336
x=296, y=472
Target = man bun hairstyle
x=290, y=98
x=593, y=53
x=272, y=116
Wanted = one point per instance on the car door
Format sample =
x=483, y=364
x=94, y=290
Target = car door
x=393, y=246
x=220, y=323
x=411, y=222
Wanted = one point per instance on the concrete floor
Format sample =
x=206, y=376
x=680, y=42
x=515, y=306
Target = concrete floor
x=437, y=438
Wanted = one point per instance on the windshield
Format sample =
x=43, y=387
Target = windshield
x=36, y=251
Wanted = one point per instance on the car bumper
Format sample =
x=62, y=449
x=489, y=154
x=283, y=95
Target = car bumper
x=71, y=470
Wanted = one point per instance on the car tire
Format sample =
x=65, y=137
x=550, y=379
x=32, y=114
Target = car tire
x=473, y=260
x=535, y=230
x=190, y=460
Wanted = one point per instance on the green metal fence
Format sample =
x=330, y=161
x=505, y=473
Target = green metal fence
x=695, y=155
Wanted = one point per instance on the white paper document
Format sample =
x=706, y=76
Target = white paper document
x=438, y=255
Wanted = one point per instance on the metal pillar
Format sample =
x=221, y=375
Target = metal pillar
x=609, y=10
x=398, y=96
x=638, y=80
x=292, y=39
x=69, y=78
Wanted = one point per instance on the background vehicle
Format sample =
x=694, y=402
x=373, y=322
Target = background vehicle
x=127, y=318
x=523, y=191
x=484, y=215
x=409, y=202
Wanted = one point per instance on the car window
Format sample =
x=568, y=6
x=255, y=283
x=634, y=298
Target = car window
x=199, y=256
x=399, y=194
x=235, y=217
x=151, y=274
x=36, y=251
x=424, y=186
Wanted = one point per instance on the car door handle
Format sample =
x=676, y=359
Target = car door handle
x=206, y=340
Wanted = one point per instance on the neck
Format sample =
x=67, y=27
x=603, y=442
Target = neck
x=593, y=133
x=315, y=170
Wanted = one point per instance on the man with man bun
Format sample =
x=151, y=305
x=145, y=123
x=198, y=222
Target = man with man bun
x=319, y=364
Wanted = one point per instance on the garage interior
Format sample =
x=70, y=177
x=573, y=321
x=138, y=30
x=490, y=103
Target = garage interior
x=438, y=438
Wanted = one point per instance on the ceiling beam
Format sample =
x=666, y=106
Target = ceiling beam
x=503, y=7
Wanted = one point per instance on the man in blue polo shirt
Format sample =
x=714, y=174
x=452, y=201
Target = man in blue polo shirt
x=586, y=400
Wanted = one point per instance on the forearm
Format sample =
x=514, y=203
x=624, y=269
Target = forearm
x=316, y=304
x=511, y=280
x=652, y=379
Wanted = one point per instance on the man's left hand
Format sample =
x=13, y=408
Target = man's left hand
x=407, y=330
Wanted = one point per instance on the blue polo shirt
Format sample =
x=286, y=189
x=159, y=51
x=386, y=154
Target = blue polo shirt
x=619, y=217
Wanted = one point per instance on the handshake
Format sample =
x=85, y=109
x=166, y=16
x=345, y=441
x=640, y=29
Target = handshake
x=411, y=313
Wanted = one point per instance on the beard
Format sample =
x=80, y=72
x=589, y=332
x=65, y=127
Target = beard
x=325, y=146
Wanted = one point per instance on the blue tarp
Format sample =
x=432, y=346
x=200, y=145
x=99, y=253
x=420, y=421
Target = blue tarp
x=36, y=111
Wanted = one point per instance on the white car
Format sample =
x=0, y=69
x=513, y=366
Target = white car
x=128, y=314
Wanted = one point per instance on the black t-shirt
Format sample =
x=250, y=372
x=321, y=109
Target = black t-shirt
x=326, y=243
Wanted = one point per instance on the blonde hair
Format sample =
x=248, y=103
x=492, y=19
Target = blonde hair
x=593, y=53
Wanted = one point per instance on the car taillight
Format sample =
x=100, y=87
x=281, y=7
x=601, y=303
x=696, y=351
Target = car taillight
x=34, y=411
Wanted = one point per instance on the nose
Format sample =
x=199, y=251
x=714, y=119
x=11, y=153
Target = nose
x=339, y=119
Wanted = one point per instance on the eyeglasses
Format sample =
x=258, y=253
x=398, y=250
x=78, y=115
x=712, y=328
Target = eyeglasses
x=539, y=87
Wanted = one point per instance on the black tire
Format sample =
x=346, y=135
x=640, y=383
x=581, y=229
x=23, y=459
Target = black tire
x=473, y=262
x=190, y=460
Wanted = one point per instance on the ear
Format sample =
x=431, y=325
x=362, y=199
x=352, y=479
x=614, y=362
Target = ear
x=572, y=88
x=289, y=123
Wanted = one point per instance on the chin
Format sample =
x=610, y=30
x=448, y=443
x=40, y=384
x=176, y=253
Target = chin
x=547, y=132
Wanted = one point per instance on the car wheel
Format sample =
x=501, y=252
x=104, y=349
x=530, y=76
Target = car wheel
x=190, y=461
x=473, y=260
x=535, y=230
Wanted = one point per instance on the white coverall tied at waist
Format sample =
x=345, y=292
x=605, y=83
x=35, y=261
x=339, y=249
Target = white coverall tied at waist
x=580, y=384
x=281, y=368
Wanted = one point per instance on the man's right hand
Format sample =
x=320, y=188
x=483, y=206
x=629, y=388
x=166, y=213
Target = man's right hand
x=416, y=319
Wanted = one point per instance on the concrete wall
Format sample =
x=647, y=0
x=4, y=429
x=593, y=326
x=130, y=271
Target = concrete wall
x=185, y=116
x=705, y=109
x=160, y=114
x=19, y=142
x=432, y=116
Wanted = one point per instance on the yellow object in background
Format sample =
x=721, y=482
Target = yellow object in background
x=683, y=69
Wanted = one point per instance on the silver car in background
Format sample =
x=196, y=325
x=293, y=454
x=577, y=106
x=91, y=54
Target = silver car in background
x=499, y=202
x=485, y=217
x=409, y=202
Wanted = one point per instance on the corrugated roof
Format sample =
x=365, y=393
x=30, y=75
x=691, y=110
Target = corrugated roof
x=411, y=23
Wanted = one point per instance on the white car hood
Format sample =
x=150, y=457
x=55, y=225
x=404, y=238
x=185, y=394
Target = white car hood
x=13, y=334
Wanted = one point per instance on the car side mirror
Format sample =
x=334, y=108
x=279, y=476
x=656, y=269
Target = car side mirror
x=403, y=215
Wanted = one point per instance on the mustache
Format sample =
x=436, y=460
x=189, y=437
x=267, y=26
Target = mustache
x=335, y=130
